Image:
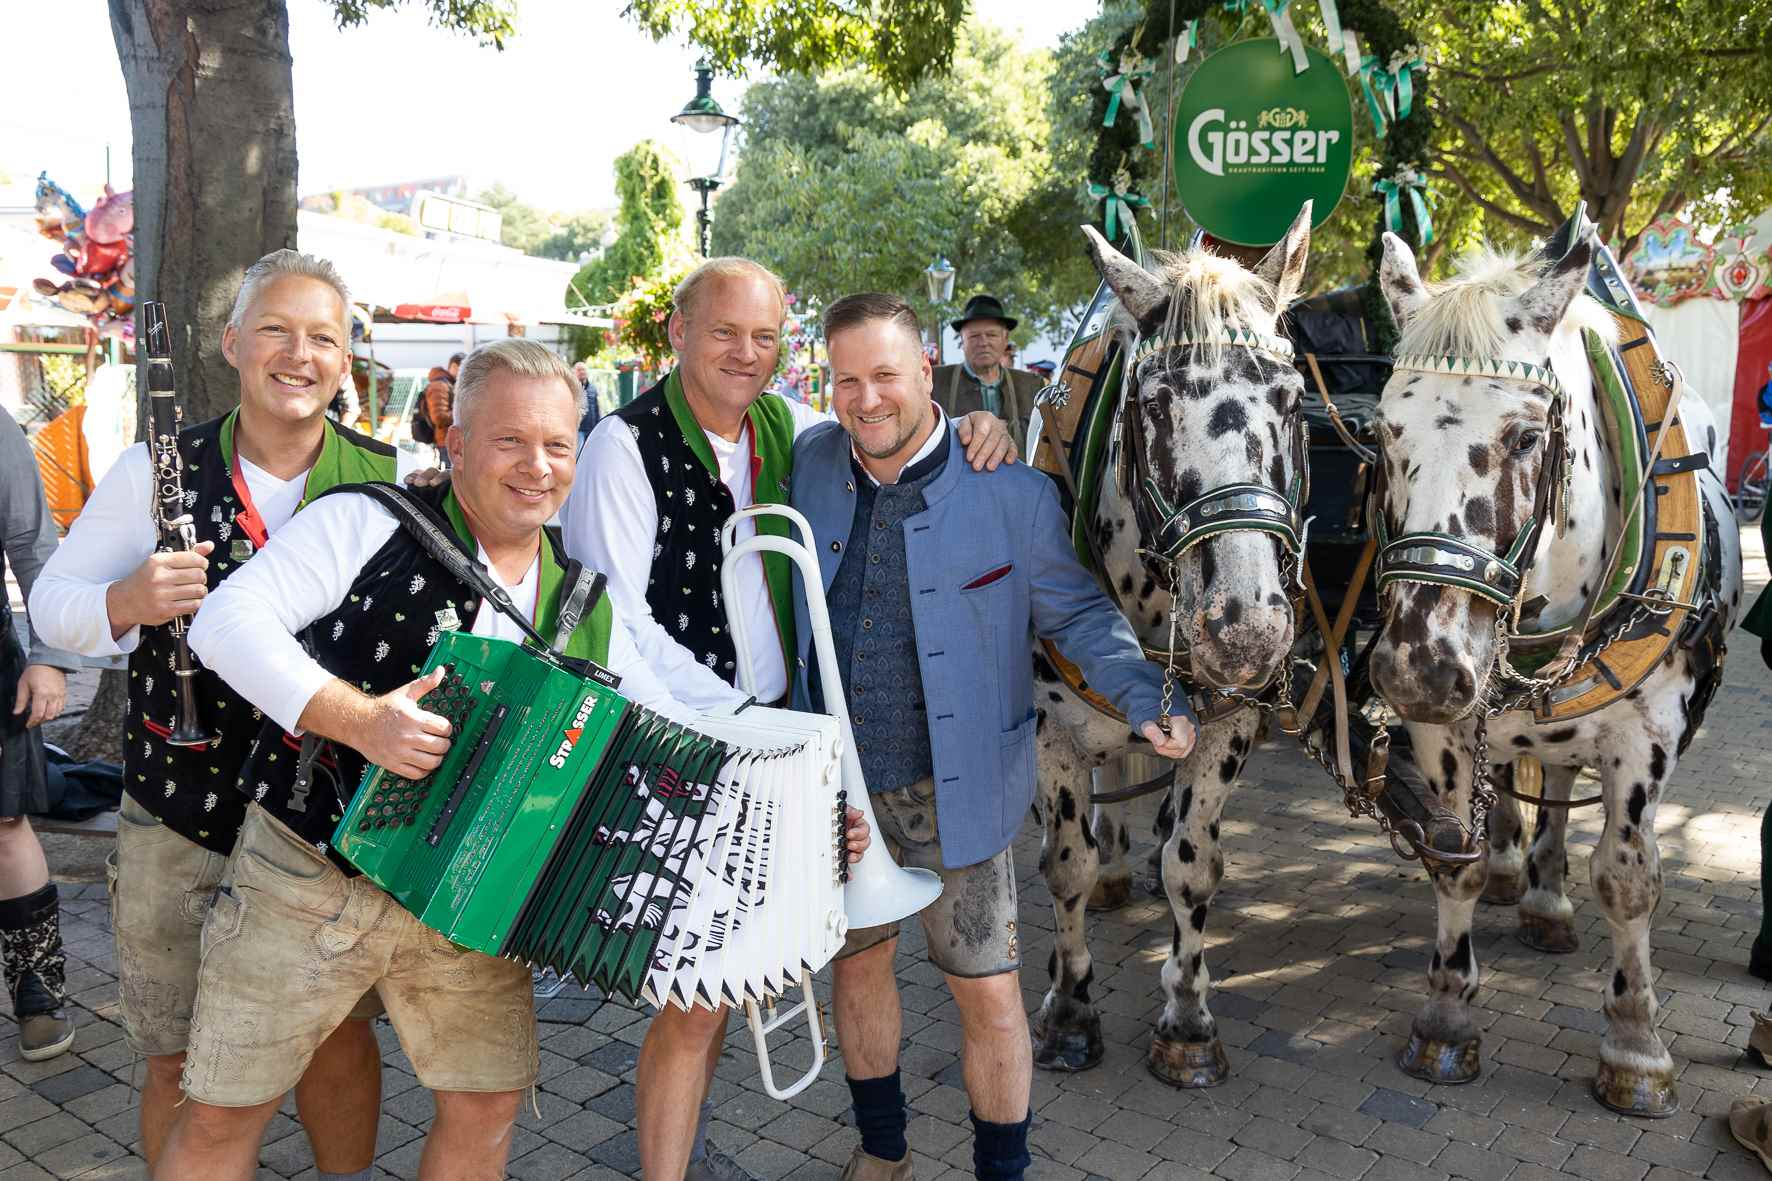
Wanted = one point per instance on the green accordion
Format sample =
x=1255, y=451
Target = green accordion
x=571, y=829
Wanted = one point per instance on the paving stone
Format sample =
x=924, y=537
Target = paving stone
x=1395, y=1107
x=1249, y=1164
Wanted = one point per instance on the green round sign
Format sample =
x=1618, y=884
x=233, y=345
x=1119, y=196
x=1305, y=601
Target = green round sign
x=1254, y=141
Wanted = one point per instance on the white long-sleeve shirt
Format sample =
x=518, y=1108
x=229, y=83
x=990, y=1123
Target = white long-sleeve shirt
x=610, y=522
x=246, y=631
x=110, y=538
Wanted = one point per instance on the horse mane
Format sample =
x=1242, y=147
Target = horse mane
x=1464, y=315
x=1209, y=294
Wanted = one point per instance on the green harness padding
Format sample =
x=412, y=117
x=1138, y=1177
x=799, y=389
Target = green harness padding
x=1089, y=456
x=1625, y=431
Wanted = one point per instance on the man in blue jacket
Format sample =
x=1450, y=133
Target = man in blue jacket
x=938, y=579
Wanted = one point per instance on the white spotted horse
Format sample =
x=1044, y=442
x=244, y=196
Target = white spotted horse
x=1197, y=535
x=1513, y=488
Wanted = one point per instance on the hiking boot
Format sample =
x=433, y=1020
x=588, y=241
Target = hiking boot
x=865, y=1167
x=1750, y=1122
x=44, y=1035
x=35, y=969
x=717, y=1166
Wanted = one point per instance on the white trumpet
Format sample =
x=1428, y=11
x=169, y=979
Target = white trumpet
x=879, y=890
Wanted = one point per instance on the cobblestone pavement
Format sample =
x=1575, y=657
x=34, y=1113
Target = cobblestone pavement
x=1318, y=941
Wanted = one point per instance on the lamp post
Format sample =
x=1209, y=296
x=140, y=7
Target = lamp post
x=938, y=276
x=704, y=116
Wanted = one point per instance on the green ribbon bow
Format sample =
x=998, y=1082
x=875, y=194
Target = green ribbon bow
x=1284, y=31
x=1379, y=87
x=1411, y=182
x=1120, y=203
x=1401, y=69
x=1188, y=39
x=1123, y=83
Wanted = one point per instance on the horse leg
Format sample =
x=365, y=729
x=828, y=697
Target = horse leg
x=1547, y=917
x=1067, y=1029
x=1444, y=1044
x=1507, y=857
x=1186, y=1051
x=1113, y=885
x=1636, y=1073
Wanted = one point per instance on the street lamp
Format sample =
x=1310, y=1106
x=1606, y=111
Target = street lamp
x=938, y=276
x=703, y=115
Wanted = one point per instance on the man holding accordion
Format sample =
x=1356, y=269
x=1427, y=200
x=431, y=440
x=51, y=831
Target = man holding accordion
x=112, y=589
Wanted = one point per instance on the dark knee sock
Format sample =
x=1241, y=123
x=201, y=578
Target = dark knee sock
x=698, y=1148
x=1760, y=956
x=880, y=1116
x=1000, y=1151
x=31, y=949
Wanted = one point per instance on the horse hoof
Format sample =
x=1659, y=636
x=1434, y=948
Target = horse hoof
x=1503, y=889
x=1445, y=1063
x=1070, y=1049
x=1188, y=1065
x=1551, y=936
x=1646, y=1095
x=1111, y=893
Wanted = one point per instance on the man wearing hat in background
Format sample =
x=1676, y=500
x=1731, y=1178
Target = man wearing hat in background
x=983, y=381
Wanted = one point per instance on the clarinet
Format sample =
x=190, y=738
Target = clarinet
x=177, y=531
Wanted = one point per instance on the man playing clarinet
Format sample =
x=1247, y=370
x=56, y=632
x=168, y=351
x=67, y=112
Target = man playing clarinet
x=106, y=592
x=661, y=475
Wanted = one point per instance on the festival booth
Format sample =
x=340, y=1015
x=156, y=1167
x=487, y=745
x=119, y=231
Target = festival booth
x=1711, y=307
x=421, y=299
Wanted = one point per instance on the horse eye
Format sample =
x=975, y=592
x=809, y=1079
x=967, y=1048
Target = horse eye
x=1527, y=442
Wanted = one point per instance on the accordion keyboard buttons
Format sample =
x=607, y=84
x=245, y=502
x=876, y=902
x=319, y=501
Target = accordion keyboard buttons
x=397, y=802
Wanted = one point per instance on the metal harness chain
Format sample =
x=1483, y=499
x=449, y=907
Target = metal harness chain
x=1270, y=701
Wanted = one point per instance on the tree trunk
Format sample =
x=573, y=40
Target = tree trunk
x=97, y=734
x=212, y=116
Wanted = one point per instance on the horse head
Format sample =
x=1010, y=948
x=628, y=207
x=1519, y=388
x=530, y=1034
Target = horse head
x=1210, y=445
x=1488, y=407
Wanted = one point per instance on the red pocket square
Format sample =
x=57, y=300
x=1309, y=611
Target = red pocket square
x=988, y=577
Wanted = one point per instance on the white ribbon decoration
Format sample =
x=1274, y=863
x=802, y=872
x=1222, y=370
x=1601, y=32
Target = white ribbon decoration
x=1289, y=38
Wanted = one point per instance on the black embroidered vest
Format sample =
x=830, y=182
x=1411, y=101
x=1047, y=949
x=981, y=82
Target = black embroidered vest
x=185, y=786
x=683, y=588
x=377, y=639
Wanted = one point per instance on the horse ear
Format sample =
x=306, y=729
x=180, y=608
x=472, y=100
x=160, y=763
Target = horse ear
x=1283, y=267
x=1543, y=304
x=1141, y=293
x=1399, y=280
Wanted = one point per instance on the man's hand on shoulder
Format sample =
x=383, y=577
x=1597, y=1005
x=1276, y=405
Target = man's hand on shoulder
x=167, y=585
x=426, y=477
x=1177, y=744
x=986, y=439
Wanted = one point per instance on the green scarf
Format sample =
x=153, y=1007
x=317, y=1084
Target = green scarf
x=340, y=462
x=590, y=639
x=772, y=452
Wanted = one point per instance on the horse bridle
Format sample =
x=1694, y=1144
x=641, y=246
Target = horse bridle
x=1440, y=559
x=1171, y=530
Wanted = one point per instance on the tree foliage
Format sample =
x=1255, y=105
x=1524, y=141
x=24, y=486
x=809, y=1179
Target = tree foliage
x=490, y=22
x=1638, y=107
x=845, y=186
x=897, y=41
x=648, y=226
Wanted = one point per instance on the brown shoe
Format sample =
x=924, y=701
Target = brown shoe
x=864, y=1167
x=44, y=1035
x=1750, y=1122
x=1759, y=1043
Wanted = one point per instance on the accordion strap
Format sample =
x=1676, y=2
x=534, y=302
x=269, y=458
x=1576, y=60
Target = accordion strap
x=580, y=592
x=440, y=540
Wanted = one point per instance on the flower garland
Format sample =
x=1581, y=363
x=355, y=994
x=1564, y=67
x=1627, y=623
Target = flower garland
x=1393, y=78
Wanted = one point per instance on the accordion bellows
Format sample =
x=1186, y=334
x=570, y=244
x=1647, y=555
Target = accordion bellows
x=571, y=829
